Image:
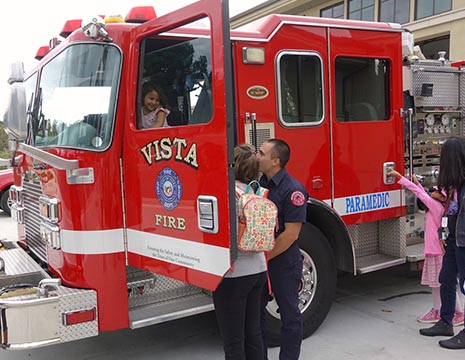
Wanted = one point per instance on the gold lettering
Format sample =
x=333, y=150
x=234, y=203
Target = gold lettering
x=158, y=219
x=181, y=224
x=157, y=150
x=180, y=144
x=163, y=150
x=165, y=145
x=170, y=222
x=191, y=157
x=147, y=153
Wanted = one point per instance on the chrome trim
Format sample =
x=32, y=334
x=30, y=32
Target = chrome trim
x=50, y=234
x=17, y=213
x=207, y=214
x=49, y=209
x=16, y=194
x=11, y=304
x=44, y=284
x=50, y=159
x=80, y=176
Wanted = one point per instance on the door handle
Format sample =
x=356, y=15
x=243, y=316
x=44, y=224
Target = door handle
x=388, y=167
x=207, y=214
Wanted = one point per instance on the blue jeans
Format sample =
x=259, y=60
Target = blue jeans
x=453, y=266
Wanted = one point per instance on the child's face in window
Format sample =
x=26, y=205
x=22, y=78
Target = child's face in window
x=151, y=100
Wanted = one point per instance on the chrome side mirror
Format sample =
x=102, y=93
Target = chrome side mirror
x=16, y=72
x=15, y=117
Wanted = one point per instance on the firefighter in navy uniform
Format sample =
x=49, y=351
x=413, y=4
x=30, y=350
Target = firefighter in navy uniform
x=285, y=260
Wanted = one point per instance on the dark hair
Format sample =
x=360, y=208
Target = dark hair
x=148, y=87
x=280, y=150
x=452, y=165
x=246, y=163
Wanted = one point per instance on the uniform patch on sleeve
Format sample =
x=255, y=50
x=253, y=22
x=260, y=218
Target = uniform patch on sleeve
x=297, y=198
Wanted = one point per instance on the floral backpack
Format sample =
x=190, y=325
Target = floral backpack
x=257, y=219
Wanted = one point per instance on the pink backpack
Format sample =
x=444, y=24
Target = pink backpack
x=257, y=219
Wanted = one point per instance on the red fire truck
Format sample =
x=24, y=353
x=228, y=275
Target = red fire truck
x=124, y=227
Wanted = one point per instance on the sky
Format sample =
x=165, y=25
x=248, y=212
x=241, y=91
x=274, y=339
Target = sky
x=29, y=24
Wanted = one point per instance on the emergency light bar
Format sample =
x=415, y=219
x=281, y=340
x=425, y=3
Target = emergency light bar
x=140, y=14
x=70, y=26
x=43, y=50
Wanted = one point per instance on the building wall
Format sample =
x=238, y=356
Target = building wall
x=450, y=23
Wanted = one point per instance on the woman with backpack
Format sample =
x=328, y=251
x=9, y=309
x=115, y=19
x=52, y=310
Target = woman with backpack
x=238, y=296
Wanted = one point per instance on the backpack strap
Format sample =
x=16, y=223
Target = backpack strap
x=249, y=187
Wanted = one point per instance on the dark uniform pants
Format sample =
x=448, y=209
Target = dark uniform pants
x=285, y=273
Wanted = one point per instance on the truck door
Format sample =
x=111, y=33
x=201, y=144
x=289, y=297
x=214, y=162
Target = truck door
x=177, y=178
x=367, y=130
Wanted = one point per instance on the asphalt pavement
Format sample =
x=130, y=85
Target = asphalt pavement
x=373, y=317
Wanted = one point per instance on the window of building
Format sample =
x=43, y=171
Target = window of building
x=397, y=11
x=431, y=47
x=300, y=91
x=425, y=8
x=335, y=11
x=362, y=89
x=362, y=10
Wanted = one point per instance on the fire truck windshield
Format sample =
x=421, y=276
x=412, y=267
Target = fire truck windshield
x=75, y=104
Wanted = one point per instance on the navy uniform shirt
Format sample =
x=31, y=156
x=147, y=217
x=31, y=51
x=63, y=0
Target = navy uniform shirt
x=290, y=197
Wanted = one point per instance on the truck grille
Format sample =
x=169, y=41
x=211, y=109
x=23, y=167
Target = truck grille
x=31, y=193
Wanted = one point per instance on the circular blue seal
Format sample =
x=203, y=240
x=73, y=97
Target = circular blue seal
x=168, y=188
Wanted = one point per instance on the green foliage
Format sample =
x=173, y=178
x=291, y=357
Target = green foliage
x=4, y=152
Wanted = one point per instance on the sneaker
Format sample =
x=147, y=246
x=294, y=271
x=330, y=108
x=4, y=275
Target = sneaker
x=430, y=317
x=458, y=318
x=455, y=343
x=441, y=328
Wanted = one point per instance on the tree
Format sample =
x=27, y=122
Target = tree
x=4, y=152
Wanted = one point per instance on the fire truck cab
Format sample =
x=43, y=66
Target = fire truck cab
x=122, y=226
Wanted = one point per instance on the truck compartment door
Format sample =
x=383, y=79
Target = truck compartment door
x=367, y=129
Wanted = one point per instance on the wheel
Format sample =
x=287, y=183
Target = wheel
x=5, y=202
x=318, y=285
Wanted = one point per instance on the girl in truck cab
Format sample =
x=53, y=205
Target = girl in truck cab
x=154, y=107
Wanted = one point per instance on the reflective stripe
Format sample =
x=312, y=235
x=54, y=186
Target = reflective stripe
x=368, y=202
x=203, y=257
x=92, y=242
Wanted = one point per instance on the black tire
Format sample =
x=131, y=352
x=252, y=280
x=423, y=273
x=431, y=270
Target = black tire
x=319, y=278
x=5, y=203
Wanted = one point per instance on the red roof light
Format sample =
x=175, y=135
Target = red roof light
x=43, y=50
x=140, y=14
x=70, y=26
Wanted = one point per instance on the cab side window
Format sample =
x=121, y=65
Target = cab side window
x=362, y=89
x=180, y=71
x=300, y=90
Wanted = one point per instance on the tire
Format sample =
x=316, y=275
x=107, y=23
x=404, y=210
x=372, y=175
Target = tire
x=319, y=278
x=5, y=202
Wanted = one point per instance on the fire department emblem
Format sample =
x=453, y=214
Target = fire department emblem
x=297, y=198
x=168, y=188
